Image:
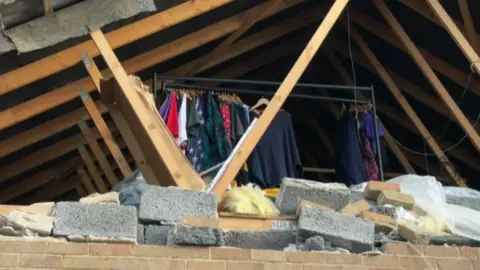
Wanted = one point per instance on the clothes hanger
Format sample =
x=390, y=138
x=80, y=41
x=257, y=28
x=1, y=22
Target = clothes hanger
x=260, y=102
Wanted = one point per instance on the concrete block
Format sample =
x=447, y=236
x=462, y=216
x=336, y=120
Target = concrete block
x=168, y=205
x=413, y=233
x=356, y=195
x=97, y=220
x=316, y=243
x=273, y=239
x=140, y=234
x=196, y=236
x=156, y=234
x=344, y=231
x=374, y=188
x=469, y=202
x=396, y=199
x=304, y=203
x=292, y=191
x=356, y=208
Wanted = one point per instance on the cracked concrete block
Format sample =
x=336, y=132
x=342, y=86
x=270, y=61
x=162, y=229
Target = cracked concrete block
x=156, y=234
x=273, y=239
x=344, y=231
x=196, y=236
x=95, y=220
x=292, y=191
x=167, y=205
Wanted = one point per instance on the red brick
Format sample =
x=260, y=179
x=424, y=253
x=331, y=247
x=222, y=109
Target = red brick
x=441, y=251
x=396, y=199
x=403, y=249
x=234, y=254
x=306, y=257
x=245, y=266
x=83, y=262
x=111, y=249
x=349, y=259
x=283, y=266
x=206, y=265
x=417, y=262
x=191, y=252
x=24, y=246
x=8, y=260
x=456, y=264
x=68, y=248
x=382, y=260
x=151, y=251
x=125, y=263
x=268, y=255
x=40, y=261
x=165, y=264
x=323, y=267
x=469, y=252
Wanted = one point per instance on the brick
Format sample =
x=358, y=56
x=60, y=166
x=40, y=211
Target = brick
x=356, y=208
x=191, y=252
x=83, y=262
x=273, y=239
x=305, y=203
x=206, y=265
x=383, y=223
x=414, y=234
x=396, y=199
x=68, y=248
x=417, y=262
x=283, y=266
x=200, y=221
x=403, y=249
x=306, y=257
x=25, y=247
x=8, y=260
x=235, y=254
x=111, y=249
x=292, y=191
x=374, y=188
x=347, y=259
x=245, y=266
x=382, y=260
x=40, y=261
x=457, y=264
x=441, y=251
x=268, y=255
x=125, y=263
x=165, y=264
x=476, y=264
x=469, y=252
x=151, y=251
x=324, y=267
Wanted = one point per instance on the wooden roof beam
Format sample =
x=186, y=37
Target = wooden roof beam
x=91, y=168
x=468, y=21
x=429, y=73
x=86, y=180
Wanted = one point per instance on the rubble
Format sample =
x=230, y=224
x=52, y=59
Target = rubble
x=383, y=223
x=167, y=205
x=396, y=199
x=27, y=222
x=335, y=195
x=198, y=236
x=110, y=197
x=356, y=208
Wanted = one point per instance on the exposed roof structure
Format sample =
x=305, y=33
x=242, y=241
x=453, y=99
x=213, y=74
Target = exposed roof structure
x=401, y=47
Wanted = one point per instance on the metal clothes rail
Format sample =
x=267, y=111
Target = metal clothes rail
x=192, y=83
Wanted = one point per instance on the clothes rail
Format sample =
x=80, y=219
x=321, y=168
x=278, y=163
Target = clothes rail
x=178, y=82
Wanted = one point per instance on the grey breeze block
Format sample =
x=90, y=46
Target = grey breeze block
x=167, y=205
x=273, y=239
x=469, y=202
x=100, y=220
x=345, y=231
x=196, y=236
x=333, y=195
x=157, y=234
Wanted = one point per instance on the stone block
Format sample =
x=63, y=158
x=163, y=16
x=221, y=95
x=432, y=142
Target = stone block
x=196, y=236
x=168, y=205
x=157, y=235
x=344, y=231
x=396, y=199
x=356, y=208
x=96, y=220
x=292, y=191
x=304, y=203
x=273, y=239
x=374, y=188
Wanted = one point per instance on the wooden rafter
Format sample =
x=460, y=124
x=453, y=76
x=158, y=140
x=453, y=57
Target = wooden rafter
x=86, y=180
x=429, y=73
x=48, y=7
x=92, y=169
x=279, y=98
x=138, y=63
x=81, y=191
x=468, y=21
x=406, y=107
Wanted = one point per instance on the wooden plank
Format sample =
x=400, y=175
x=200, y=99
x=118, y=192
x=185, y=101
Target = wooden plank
x=86, y=180
x=97, y=151
x=81, y=191
x=105, y=133
x=279, y=98
x=236, y=222
x=48, y=7
x=136, y=64
x=101, y=187
x=249, y=21
x=456, y=34
x=118, y=38
x=171, y=166
x=468, y=21
x=406, y=107
x=55, y=188
x=428, y=72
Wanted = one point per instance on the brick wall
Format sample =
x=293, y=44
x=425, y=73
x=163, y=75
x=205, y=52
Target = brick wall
x=54, y=255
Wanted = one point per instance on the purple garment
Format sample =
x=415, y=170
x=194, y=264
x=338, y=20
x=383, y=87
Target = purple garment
x=165, y=108
x=367, y=118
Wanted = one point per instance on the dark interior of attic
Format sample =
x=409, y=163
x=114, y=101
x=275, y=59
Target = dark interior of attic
x=41, y=107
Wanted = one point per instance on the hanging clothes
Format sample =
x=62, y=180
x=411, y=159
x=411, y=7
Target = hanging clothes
x=276, y=155
x=172, y=120
x=226, y=119
x=196, y=132
x=349, y=165
x=369, y=162
x=165, y=107
x=182, y=123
